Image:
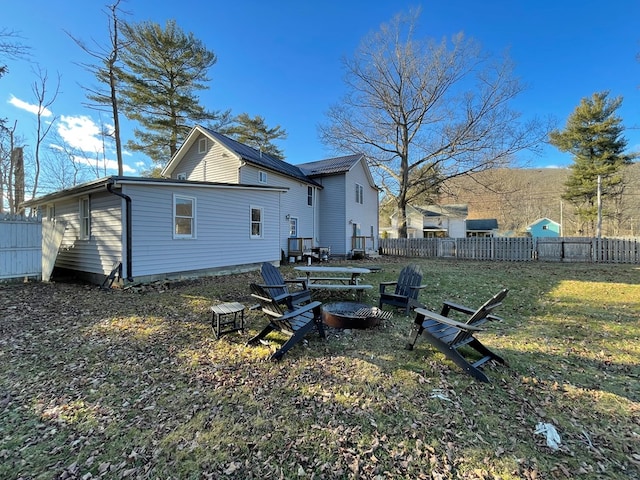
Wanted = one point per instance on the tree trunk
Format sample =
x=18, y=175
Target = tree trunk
x=17, y=160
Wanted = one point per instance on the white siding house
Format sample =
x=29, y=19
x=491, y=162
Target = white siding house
x=164, y=228
x=222, y=206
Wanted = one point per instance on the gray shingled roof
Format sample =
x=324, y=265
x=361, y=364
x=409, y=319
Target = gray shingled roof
x=483, y=225
x=261, y=159
x=330, y=165
x=446, y=210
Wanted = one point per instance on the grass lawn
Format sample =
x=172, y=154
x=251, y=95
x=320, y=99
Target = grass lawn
x=132, y=383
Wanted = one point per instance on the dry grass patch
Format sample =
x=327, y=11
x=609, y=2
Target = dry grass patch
x=132, y=384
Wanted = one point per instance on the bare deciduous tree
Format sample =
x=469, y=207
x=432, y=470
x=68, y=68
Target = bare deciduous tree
x=425, y=111
x=44, y=101
x=106, y=72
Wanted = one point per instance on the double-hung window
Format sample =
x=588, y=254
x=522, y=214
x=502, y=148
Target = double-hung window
x=262, y=177
x=184, y=217
x=310, y=196
x=359, y=194
x=85, y=218
x=257, y=217
x=202, y=145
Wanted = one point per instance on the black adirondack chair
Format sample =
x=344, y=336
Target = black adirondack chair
x=279, y=287
x=295, y=321
x=449, y=336
x=407, y=289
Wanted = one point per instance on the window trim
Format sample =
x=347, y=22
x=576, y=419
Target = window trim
x=202, y=145
x=182, y=236
x=292, y=221
x=85, y=218
x=51, y=212
x=359, y=194
x=260, y=222
x=310, y=196
x=262, y=176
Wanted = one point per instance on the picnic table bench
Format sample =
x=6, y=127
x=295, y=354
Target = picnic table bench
x=333, y=282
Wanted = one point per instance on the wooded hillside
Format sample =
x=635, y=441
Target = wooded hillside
x=518, y=197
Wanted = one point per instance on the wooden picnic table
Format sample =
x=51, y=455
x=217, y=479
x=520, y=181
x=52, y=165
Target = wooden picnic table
x=334, y=278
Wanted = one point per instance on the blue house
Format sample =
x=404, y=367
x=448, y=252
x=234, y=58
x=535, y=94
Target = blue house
x=544, y=227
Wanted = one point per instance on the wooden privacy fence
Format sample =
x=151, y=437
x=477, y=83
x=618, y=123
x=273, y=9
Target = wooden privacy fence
x=518, y=249
x=20, y=247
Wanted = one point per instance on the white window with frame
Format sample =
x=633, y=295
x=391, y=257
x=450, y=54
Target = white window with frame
x=293, y=227
x=359, y=194
x=262, y=177
x=184, y=217
x=181, y=176
x=85, y=218
x=310, y=196
x=257, y=218
x=202, y=145
x=51, y=213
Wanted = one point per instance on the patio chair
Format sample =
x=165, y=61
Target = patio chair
x=449, y=335
x=296, y=321
x=278, y=286
x=407, y=289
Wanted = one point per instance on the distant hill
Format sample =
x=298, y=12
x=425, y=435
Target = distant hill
x=518, y=197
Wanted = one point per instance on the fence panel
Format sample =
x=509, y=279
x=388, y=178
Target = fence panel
x=520, y=249
x=20, y=247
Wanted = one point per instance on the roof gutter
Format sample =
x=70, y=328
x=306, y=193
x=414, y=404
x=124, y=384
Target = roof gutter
x=128, y=241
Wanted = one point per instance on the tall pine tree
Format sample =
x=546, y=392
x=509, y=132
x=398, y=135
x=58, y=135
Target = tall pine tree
x=255, y=133
x=593, y=135
x=164, y=68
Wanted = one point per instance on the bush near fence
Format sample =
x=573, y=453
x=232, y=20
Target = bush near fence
x=517, y=249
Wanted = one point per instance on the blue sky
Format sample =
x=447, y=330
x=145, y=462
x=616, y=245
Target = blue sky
x=282, y=59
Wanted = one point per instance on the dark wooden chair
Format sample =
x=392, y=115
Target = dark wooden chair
x=449, y=335
x=279, y=287
x=295, y=321
x=407, y=289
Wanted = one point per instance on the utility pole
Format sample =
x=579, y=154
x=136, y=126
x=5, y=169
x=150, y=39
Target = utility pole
x=599, y=226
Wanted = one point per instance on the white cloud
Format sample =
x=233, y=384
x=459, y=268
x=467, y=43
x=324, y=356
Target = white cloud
x=83, y=134
x=80, y=132
x=29, y=107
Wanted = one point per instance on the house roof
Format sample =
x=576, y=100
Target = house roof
x=482, y=225
x=101, y=185
x=261, y=159
x=330, y=165
x=455, y=210
x=541, y=220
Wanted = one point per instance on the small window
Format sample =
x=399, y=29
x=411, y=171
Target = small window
x=310, y=196
x=545, y=227
x=184, y=216
x=181, y=176
x=359, y=194
x=262, y=177
x=256, y=222
x=85, y=218
x=293, y=227
x=51, y=212
x=202, y=145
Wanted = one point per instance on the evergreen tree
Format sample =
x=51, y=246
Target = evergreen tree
x=255, y=133
x=593, y=135
x=164, y=68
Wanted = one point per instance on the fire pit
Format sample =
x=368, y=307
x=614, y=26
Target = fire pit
x=352, y=315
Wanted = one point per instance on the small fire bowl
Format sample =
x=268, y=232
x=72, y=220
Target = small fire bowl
x=351, y=315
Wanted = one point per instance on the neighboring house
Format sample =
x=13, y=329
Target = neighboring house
x=544, y=227
x=486, y=227
x=433, y=221
x=225, y=207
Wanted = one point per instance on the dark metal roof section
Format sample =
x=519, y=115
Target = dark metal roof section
x=259, y=158
x=443, y=210
x=482, y=225
x=330, y=166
